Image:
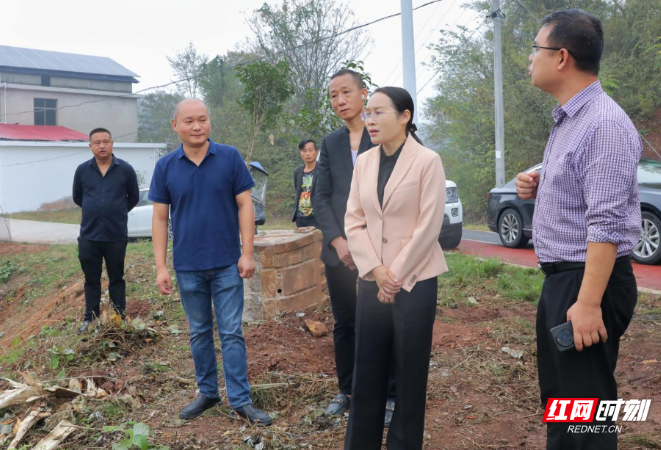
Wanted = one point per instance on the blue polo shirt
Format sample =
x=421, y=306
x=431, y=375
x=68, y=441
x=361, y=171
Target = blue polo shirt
x=203, y=209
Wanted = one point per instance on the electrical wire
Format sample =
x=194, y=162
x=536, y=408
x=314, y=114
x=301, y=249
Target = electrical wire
x=357, y=27
x=438, y=72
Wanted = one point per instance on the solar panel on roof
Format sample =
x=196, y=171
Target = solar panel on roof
x=66, y=62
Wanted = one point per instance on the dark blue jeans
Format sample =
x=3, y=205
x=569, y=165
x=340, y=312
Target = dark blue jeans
x=222, y=288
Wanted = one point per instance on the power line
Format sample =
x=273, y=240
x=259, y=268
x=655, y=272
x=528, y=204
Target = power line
x=649, y=143
x=399, y=63
x=186, y=79
x=531, y=14
x=449, y=28
x=438, y=72
x=260, y=58
x=44, y=160
x=107, y=98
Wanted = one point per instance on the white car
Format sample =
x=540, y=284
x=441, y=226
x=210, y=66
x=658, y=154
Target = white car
x=454, y=214
x=140, y=218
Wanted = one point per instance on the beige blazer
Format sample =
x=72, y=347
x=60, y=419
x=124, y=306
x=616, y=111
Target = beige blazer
x=402, y=236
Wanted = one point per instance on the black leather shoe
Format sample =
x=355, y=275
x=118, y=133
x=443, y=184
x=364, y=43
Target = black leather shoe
x=255, y=415
x=390, y=410
x=194, y=409
x=84, y=327
x=338, y=406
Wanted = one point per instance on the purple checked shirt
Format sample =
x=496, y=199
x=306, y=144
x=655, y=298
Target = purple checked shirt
x=588, y=189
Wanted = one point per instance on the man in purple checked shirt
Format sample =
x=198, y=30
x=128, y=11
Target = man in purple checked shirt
x=586, y=221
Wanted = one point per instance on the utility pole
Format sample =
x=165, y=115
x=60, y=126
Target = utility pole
x=496, y=14
x=408, y=54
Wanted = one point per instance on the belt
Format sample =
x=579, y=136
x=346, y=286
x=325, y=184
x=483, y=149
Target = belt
x=563, y=266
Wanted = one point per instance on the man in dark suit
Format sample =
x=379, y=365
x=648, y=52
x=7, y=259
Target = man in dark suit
x=305, y=180
x=339, y=151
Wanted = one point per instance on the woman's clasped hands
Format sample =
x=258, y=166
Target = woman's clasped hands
x=388, y=284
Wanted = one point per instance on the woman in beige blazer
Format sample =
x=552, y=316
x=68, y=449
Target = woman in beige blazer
x=393, y=220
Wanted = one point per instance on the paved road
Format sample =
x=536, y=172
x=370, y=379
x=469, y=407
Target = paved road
x=481, y=236
x=487, y=244
x=43, y=232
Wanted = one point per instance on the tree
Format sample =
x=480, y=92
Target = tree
x=308, y=35
x=154, y=118
x=320, y=119
x=462, y=113
x=266, y=89
x=187, y=66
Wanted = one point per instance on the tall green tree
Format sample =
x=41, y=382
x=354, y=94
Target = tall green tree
x=266, y=88
x=154, y=118
x=310, y=36
x=187, y=66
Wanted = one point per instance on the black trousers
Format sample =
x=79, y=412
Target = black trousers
x=402, y=330
x=302, y=222
x=342, y=290
x=91, y=255
x=591, y=372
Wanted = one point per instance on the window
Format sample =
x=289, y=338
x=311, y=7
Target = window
x=45, y=80
x=45, y=111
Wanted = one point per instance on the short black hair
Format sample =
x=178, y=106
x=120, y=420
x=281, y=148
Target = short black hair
x=99, y=130
x=355, y=75
x=304, y=142
x=579, y=32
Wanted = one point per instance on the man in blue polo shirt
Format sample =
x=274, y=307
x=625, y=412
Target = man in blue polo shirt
x=205, y=188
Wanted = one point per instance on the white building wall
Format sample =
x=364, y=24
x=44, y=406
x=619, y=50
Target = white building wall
x=34, y=173
x=80, y=110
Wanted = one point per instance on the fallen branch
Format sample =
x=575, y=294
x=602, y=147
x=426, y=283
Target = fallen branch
x=23, y=426
x=56, y=437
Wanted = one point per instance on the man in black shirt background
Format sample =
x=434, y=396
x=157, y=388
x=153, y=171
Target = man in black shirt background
x=106, y=188
x=304, y=182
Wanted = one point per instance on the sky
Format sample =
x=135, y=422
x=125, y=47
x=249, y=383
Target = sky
x=139, y=34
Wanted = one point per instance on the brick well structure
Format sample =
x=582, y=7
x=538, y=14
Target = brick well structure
x=289, y=274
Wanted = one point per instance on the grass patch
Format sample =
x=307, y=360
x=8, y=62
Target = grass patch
x=476, y=227
x=13, y=354
x=72, y=216
x=470, y=276
x=277, y=223
x=6, y=271
x=513, y=330
x=644, y=440
x=155, y=367
x=47, y=269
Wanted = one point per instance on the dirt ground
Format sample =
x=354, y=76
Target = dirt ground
x=478, y=396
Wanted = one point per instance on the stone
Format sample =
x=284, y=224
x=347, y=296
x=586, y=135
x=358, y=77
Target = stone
x=317, y=329
x=299, y=277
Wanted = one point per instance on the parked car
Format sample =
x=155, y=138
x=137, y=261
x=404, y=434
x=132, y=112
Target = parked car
x=452, y=220
x=139, y=225
x=511, y=217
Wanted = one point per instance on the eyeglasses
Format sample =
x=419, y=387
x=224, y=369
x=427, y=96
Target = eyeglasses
x=537, y=47
x=377, y=115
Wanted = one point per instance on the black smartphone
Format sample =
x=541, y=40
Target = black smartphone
x=563, y=336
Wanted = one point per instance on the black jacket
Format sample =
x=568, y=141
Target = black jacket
x=298, y=181
x=334, y=173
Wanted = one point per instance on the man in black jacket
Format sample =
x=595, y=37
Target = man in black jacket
x=106, y=188
x=305, y=180
x=339, y=151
